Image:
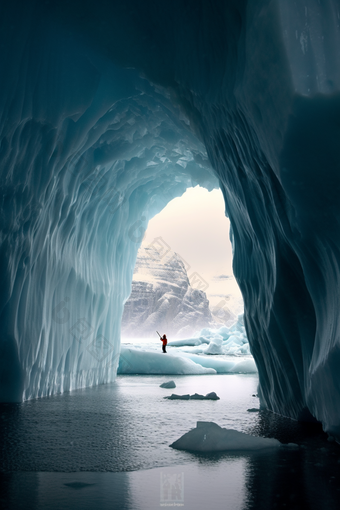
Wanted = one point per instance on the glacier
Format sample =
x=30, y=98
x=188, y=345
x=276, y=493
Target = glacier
x=111, y=109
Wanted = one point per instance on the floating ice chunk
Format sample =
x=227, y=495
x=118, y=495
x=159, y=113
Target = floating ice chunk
x=253, y=410
x=245, y=349
x=138, y=361
x=168, y=384
x=222, y=366
x=236, y=339
x=224, y=331
x=193, y=350
x=210, y=437
x=188, y=342
x=244, y=367
x=212, y=396
x=213, y=349
x=178, y=397
x=195, y=396
x=215, y=345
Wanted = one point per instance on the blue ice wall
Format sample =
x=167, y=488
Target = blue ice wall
x=89, y=153
x=109, y=110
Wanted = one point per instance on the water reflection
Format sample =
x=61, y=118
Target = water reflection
x=305, y=477
x=191, y=487
x=277, y=479
x=103, y=439
x=67, y=491
x=289, y=479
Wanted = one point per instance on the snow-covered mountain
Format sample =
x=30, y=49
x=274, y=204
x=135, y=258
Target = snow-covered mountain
x=224, y=296
x=163, y=299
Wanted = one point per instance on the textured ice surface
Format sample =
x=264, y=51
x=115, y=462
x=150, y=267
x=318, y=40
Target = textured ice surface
x=138, y=361
x=230, y=340
x=215, y=345
x=210, y=437
x=111, y=109
x=224, y=365
x=79, y=182
x=146, y=359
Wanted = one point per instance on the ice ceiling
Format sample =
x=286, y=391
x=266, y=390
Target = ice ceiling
x=109, y=110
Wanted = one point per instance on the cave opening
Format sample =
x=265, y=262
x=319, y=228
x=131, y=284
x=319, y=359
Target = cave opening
x=194, y=230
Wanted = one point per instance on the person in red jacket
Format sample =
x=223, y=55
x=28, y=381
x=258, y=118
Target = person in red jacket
x=165, y=341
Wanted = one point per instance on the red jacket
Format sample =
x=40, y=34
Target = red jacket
x=164, y=340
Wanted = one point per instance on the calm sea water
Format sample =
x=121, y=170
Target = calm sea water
x=108, y=447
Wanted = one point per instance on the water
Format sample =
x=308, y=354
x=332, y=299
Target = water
x=108, y=447
x=123, y=426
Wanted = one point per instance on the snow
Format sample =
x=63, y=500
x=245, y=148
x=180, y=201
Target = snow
x=168, y=384
x=162, y=296
x=210, y=437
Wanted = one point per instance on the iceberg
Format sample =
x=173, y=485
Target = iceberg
x=108, y=111
x=188, y=342
x=138, y=361
x=215, y=345
x=168, y=384
x=210, y=437
x=223, y=366
x=228, y=340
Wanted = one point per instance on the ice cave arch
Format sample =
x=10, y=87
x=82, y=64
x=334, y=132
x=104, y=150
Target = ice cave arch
x=240, y=94
x=88, y=207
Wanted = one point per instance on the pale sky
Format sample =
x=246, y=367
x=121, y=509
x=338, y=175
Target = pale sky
x=196, y=228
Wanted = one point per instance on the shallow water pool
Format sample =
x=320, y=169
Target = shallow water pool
x=108, y=447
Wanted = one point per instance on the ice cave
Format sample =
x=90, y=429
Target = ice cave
x=111, y=109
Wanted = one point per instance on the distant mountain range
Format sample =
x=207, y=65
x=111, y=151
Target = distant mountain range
x=162, y=298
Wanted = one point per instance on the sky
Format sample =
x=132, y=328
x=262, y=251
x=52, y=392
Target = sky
x=196, y=228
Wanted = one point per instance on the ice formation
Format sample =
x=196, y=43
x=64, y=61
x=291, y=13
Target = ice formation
x=142, y=359
x=230, y=340
x=138, y=361
x=168, y=384
x=111, y=109
x=210, y=437
x=195, y=396
x=224, y=366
